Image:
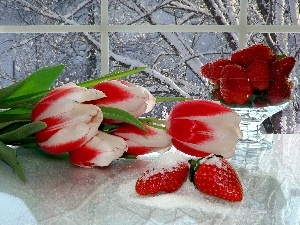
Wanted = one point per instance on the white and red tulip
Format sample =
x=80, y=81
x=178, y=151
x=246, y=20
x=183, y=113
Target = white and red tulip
x=70, y=122
x=142, y=142
x=101, y=150
x=202, y=127
x=124, y=95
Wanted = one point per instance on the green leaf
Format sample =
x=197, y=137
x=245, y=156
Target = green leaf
x=111, y=76
x=171, y=99
x=40, y=80
x=5, y=124
x=127, y=156
x=153, y=122
x=12, y=117
x=281, y=56
x=16, y=111
x=28, y=142
x=7, y=91
x=11, y=125
x=119, y=114
x=108, y=128
x=23, y=101
x=9, y=156
x=23, y=131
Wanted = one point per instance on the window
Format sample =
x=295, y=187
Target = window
x=173, y=38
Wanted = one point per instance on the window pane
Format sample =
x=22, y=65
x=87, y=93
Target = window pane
x=180, y=12
x=273, y=12
x=21, y=54
x=50, y=12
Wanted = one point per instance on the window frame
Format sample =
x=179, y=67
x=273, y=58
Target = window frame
x=242, y=28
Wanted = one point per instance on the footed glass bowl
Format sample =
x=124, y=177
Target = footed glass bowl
x=258, y=105
x=251, y=119
x=253, y=144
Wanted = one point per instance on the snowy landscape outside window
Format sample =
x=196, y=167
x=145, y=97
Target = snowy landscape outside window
x=173, y=38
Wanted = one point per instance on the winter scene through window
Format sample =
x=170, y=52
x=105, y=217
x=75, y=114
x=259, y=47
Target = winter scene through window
x=172, y=38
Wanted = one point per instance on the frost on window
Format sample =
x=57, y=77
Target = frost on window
x=21, y=54
x=179, y=12
x=49, y=12
x=285, y=12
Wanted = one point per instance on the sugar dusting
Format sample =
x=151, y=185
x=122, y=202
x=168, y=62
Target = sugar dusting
x=165, y=162
x=186, y=197
x=215, y=161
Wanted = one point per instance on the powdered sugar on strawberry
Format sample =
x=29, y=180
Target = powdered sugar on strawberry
x=214, y=161
x=164, y=163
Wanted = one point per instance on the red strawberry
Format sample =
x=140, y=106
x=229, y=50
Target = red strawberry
x=282, y=68
x=213, y=70
x=234, y=85
x=167, y=174
x=279, y=91
x=215, y=176
x=246, y=56
x=205, y=70
x=258, y=74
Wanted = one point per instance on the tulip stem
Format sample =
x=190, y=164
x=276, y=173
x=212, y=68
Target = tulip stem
x=154, y=122
x=171, y=99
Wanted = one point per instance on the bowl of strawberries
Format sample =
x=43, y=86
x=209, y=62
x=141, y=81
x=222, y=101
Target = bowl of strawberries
x=255, y=82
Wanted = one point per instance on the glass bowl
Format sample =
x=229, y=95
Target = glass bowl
x=254, y=106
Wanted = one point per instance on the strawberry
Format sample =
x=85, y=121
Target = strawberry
x=246, y=56
x=279, y=91
x=281, y=68
x=213, y=70
x=215, y=176
x=258, y=74
x=165, y=174
x=205, y=70
x=234, y=85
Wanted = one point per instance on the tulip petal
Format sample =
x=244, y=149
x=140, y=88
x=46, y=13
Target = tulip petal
x=61, y=100
x=81, y=113
x=190, y=149
x=220, y=138
x=101, y=150
x=197, y=107
x=68, y=138
x=211, y=130
x=150, y=100
x=131, y=98
x=191, y=131
x=142, y=142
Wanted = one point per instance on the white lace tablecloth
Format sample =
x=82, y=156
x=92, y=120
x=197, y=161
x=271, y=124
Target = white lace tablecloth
x=56, y=192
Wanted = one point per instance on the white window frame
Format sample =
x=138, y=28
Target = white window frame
x=242, y=28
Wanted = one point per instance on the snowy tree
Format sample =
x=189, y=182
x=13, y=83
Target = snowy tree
x=173, y=58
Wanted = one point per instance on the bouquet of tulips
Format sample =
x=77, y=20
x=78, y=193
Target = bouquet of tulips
x=100, y=120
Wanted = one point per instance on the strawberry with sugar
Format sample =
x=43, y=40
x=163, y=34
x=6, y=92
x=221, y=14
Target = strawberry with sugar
x=215, y=176
x=167, y=173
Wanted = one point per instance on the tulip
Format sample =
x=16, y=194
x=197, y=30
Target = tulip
x=101, y=150
x=123, y=95
x=201, y=127
x=142, y=142
x=70, y=122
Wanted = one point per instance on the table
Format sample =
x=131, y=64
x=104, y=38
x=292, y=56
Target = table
x=56, y=192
